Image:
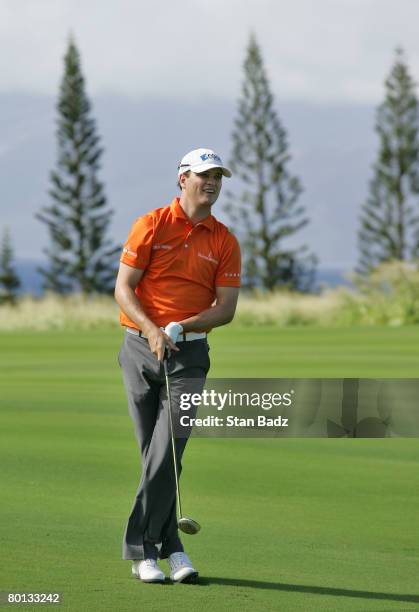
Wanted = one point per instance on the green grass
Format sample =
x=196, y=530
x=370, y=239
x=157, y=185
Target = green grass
x=315, y=352
x=288, y=524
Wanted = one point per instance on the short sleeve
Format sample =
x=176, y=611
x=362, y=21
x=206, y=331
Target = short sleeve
x=228, y=271
x=137, y=248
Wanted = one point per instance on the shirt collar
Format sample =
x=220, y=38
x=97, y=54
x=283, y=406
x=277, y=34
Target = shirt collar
x=178, y=212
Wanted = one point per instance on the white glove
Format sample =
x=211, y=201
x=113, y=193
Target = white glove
x=173, y=330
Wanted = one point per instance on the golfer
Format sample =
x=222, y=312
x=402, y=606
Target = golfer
x=178, y=278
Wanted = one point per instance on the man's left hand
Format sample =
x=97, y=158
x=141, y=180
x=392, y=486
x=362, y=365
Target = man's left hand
x=173, y=330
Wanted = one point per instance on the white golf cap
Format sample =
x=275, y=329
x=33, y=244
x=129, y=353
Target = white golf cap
x=200, y=160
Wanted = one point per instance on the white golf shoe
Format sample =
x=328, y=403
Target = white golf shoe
x=147, y=571
x=181, y=569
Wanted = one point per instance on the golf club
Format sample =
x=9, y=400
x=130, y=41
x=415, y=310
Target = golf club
x=185, y=524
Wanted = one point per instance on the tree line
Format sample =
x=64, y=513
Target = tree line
x=264, y=215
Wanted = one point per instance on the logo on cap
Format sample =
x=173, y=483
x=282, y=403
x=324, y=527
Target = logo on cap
x=213, y=156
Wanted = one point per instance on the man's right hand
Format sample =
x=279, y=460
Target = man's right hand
x=158, y=341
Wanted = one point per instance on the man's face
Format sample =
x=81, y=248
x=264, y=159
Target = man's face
x=203, y=188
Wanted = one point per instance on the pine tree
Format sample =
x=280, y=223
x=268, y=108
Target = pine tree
x=81, y=258
x=266, y=213
x=9, y=281
x=389, y=225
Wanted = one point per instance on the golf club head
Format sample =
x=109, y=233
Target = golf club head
x=188, y=525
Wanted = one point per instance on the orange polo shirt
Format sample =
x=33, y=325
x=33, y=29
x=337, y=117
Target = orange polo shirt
x=182, y=263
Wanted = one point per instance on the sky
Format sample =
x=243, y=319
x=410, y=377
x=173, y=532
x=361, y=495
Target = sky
x=175, y=71
x=323, y=51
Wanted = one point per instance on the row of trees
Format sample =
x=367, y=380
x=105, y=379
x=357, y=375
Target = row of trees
x=265, y=215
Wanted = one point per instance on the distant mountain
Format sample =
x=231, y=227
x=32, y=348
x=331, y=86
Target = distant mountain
x=29, y=276
x=329, y=277
x=32, y=280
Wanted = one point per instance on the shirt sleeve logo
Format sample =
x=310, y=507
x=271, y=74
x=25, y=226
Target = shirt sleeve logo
x=128, y=252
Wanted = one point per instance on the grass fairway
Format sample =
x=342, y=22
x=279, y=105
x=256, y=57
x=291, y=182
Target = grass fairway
x=291, y=524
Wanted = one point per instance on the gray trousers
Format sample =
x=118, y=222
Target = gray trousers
x=151, y=531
